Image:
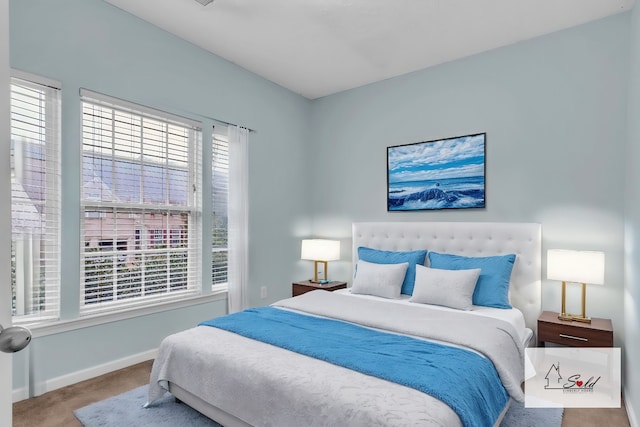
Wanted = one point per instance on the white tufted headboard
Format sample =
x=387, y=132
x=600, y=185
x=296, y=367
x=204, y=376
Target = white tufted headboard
x=470, y=239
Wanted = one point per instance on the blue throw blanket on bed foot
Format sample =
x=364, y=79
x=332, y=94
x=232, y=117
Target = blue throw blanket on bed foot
x=462, y=379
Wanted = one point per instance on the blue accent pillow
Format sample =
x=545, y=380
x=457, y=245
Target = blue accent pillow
x=492, y=288
x=391, y=257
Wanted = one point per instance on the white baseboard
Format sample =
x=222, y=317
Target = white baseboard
x=633, y=421
x=20, y=394
x=85, y=374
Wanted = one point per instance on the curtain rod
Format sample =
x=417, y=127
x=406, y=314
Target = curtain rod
x=222, y=122
x=218, y=121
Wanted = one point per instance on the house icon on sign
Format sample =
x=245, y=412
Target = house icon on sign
x=553, y=376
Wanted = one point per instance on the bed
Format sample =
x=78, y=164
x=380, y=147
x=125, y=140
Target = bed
x=240, y=379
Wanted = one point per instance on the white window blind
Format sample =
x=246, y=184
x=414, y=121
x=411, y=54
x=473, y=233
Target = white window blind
x=35, y=199
x=220, y=202
x=141, y=204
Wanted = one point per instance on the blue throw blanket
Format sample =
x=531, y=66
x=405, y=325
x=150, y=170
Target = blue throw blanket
x=462, y=379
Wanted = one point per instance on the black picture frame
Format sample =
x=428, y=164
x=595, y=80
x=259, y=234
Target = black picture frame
x=445, y=173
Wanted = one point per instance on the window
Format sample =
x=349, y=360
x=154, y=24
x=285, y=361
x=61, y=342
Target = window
x=35, y=198
x=141, y=200
x=219, y=217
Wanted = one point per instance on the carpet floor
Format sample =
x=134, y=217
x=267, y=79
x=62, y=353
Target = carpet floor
x=127, y=410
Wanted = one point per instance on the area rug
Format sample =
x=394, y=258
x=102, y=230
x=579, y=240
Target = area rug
x=126, y=410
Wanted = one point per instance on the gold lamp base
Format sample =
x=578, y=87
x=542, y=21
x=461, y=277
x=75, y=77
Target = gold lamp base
x=315, y=271
x=574, y=317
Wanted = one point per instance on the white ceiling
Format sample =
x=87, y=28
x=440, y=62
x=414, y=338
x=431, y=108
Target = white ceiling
x=319, y=47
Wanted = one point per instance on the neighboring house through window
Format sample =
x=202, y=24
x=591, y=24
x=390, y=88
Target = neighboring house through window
x=141, y=198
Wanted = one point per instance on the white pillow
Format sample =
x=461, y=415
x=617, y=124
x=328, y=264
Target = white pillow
x=382, y=280
x=450, y=288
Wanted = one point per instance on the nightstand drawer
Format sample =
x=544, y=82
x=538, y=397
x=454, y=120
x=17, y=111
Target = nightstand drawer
x=598, y=333
x=575, y=337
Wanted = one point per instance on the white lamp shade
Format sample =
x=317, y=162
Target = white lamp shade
x=320, y=250
x=575, y=266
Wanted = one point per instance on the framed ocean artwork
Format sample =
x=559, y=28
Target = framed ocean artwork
x=442, y=174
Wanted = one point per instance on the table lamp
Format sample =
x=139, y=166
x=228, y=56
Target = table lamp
x=578, y=267
x=320, y=251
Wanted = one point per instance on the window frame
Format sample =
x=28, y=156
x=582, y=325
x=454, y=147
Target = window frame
x=192, y=208
x=49, y=257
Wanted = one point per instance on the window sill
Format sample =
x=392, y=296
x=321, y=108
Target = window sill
x=59, y=326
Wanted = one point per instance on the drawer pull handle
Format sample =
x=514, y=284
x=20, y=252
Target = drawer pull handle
x=571, y=337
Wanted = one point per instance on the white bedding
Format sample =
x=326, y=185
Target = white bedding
x=256, y=383
x=513, y=316
x=264, y=385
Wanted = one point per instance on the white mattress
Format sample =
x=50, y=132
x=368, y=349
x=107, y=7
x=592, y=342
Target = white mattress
x=512, y=316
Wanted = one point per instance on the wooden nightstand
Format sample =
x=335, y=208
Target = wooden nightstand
x=598, y=333
x=299, y=288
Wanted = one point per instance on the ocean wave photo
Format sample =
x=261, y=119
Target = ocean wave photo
x=443, y=174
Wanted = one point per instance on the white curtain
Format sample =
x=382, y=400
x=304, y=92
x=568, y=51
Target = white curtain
x=238, y=217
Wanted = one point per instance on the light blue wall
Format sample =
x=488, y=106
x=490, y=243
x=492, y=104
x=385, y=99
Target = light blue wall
x=55, y=356
x=554, y=112
x=91, y=44
x=632, y=230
